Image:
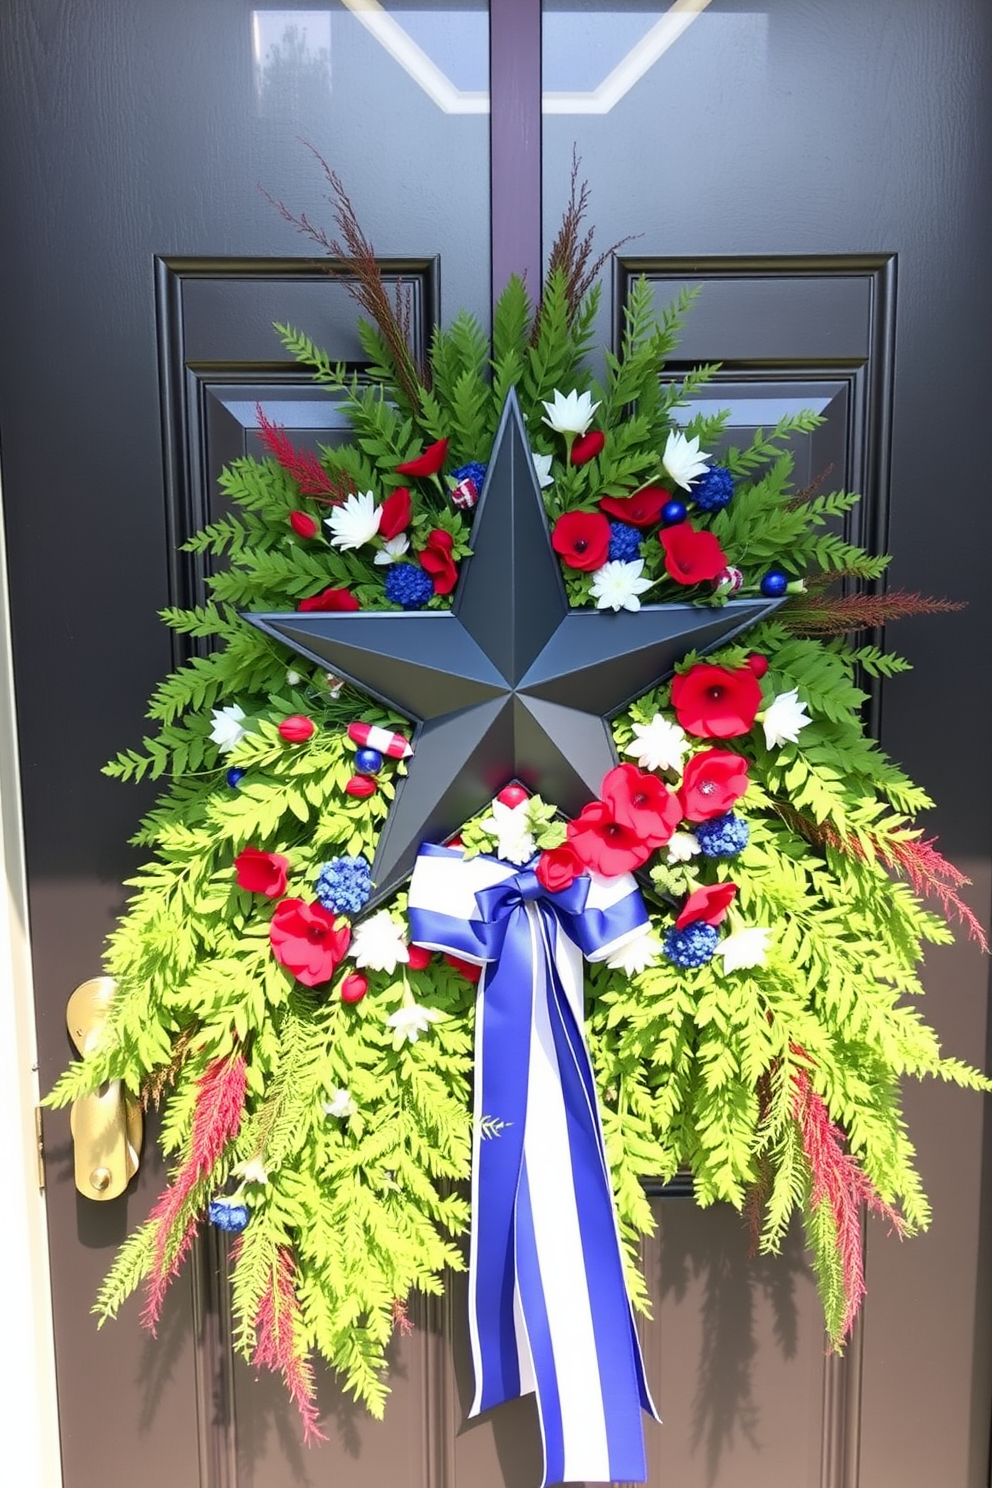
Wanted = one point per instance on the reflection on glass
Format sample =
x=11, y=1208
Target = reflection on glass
x=292, y=60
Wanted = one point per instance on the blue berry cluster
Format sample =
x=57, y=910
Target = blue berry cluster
x=408, y=586
x=228, y=1214
x=344, y=885
x=713, y=490
x=693, y=946
x=723, y=836
x=473, y=471
x=625, y=542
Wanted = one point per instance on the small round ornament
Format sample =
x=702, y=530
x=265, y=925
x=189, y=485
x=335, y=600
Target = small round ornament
x=368, y=761
x=234, y=776
x=673, y=512
x=758, y=664
x=354, y=987
x=774, y=583
x=361, y=785
x=513, y=795
x=296, y=729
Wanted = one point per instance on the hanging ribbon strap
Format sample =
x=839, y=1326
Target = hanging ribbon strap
x=549, y=1309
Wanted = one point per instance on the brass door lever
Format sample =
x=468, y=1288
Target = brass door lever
x=107, y=1124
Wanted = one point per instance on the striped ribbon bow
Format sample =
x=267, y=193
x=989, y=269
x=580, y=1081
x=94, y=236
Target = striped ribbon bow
x=548, y=1307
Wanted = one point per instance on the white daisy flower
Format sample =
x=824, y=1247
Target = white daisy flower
x=744, y=948
x=392, y=548
x=659, y=745
x=636, y=954
x=509, y=823
x=542, y=469
x=379, y=943
x=340, y=1105
x=354, y=521
x=408, y=1023
x=227, y=727
x=616, y=585
x=682, y=459
x=682, y=846
x=783, y=719
x=570, y=413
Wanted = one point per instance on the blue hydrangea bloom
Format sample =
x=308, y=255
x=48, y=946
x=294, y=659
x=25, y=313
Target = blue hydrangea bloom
x=693, y=946
x=344, y=885
x=228, y=1214
x=625, y=542
x=408, y=586
x=723, y=837
x=714, y=489
x=472, y=471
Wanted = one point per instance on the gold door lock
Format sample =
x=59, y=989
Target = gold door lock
x=107, y=1124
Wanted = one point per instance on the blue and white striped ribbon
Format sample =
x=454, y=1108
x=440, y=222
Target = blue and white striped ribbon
x=548, y=1306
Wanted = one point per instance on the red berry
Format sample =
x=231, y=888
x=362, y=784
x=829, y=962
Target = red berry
x=468, y=970
x=303, y=524
x=758, y=664
x=420, y=957
x=513, y=795
x=354, y=987
x=361, y=785
x=296, y=729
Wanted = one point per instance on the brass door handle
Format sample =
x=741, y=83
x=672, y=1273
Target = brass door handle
x=107, y=1124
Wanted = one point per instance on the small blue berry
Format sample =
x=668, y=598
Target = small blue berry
x=693, y=946
x=235, y=776
x=344, y=885
x=408, y=586
x=673, y=512
x=722, y=836
x=774, y=583
x=625, y=542
x=368, y=761
x=713, y=490
x=228, y=1214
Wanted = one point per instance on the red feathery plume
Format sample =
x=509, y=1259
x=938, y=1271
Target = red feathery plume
x=823, y=614
x=401, y=1318
x=277, y=1328
x=302, y=465
x=220, y=1102
x=930, y=873
x=839, y=1182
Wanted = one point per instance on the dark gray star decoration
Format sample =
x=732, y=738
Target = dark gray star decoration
x=509, y=684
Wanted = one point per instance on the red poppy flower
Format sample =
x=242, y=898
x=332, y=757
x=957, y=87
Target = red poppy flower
x=587, y=447
x=709, y=904
x=330, y=599
x=354, y=987
x=305, y=940
x=394, y=514
x=419, y=957
x=436, y=560
x=469, y=971
x=558, y=868
x=296, y=729
x=261, y=872
x=601, y=843
x=429, y=463
x=582, y=539
x=642, y=509
x=715, y=702
x=643, y=803
x=691, y=556
x=712, y=783
x=303, y=524
x=361, y=786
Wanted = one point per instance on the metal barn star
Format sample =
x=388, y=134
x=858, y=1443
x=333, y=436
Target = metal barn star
x=510, y=683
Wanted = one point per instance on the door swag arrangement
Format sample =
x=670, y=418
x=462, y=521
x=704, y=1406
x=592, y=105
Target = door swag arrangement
x=431, y=652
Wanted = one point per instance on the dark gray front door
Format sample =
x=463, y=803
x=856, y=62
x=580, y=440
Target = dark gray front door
x=820, y=166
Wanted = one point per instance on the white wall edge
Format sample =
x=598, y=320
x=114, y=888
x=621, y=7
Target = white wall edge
x=29, y=1426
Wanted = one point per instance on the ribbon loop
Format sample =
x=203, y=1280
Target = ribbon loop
x=548, y=1305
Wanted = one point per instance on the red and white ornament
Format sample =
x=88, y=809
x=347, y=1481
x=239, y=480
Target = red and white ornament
x=371, y=736
x=465, y=494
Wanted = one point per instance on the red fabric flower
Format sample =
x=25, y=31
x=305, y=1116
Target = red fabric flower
x=436, y=560
x=470, y=972
x=587, y=447
x=582, y=539
x=261, y=872
x=304, y=940
x=419, y=957
x=394, y=514
x=643, y=803
x=642, y=509
x=558, y=868
x=296, y=729
x=330, y=599
x=709, y=904
x=361, y=786
x=303, y=524
x=691, y=556
x=429, y=463
x=712, y=783
x=715, y=702
x=602, y=844
x=354, y=987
